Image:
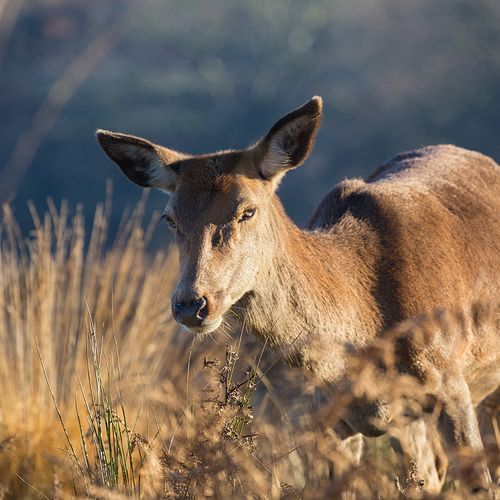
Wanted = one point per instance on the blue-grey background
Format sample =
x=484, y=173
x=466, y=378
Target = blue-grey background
x=202, y=75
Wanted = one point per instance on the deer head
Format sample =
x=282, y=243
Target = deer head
x=220, y=209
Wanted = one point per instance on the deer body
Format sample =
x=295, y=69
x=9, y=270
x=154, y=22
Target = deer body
x=421, y=234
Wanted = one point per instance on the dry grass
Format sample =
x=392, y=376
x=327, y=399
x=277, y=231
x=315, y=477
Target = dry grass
x=102, y=397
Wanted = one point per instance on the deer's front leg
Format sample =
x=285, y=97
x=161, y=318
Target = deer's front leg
x=351, y=444
x=459, y=427
x=419, y=445
x=488, y=416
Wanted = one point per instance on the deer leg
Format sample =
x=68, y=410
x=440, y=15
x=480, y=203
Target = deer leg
x=420, y=449
x=351, y=444
x=351, y=448
x=488, y=415
x=459, y=426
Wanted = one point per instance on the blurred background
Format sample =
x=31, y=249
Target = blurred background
x=203, y=75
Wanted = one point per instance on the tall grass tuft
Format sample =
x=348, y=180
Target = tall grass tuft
x=84, y=335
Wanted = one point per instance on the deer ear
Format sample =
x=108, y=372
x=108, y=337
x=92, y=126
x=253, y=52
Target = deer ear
x=143, y=162
x=290, y=140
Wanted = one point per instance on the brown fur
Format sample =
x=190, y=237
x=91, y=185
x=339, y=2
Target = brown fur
x=421, y=234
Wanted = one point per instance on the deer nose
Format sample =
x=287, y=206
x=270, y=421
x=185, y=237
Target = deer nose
x=191, y=312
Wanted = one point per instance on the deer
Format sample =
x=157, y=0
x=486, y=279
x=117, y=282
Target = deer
x=420, y=234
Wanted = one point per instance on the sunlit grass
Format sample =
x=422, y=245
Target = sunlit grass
x=102, y=397
x=83, y=337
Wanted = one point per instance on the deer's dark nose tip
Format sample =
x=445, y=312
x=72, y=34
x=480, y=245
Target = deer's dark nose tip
x=191, y=312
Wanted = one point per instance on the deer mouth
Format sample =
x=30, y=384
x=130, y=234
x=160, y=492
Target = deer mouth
x=206, y=327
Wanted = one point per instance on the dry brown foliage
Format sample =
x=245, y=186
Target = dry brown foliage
x=86, y=340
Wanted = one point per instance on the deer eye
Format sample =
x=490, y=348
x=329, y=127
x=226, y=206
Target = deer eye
x=170, y=222
x=247, y=214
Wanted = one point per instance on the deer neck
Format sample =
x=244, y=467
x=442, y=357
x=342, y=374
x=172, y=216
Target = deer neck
x=313, y=296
